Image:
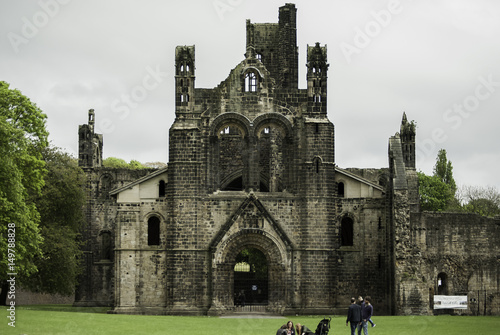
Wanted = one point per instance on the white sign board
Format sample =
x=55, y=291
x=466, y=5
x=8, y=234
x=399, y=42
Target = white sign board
x=450, y=301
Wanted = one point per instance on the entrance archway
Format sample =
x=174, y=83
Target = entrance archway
x=223, y=274
x=251, y=278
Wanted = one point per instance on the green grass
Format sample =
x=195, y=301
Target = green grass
x=65, y=320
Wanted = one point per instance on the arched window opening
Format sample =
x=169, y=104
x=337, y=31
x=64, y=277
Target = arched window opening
x=182, y=68
x=259, y=56
x=442, y=284
x=106, y=246
x=347, y=232
x=230, y=157
x=341, y=189
x=161, y=189
x=250, y=82
x=235, y=185
x=317, y=165
x=154, y=231
x=187, y=68
x=251, y=279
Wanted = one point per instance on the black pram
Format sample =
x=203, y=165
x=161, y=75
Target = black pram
x=323, y=327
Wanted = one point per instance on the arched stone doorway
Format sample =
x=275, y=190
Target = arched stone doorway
x=224, y=259
x=251, y=278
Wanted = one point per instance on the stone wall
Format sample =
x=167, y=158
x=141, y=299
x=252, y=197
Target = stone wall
x=96, y=283
x=462, y=250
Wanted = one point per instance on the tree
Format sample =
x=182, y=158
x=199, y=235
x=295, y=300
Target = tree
x=437, y=192
x=435, y=195
x=23, y=136
x=61, y=215
x=481, y=200
x=115, y=163
x=444, y=170
x=118, y=163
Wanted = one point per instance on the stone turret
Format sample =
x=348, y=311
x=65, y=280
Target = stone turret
x=89, y=144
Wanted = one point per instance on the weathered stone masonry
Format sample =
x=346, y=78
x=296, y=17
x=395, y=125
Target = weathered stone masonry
x=252, y=165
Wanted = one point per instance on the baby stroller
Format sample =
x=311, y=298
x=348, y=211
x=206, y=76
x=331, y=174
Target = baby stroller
x=323, y=327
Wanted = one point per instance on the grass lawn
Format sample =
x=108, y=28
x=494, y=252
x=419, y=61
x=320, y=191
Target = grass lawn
x=65, y=320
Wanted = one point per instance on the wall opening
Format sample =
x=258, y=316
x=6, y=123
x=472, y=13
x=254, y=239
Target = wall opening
x=442, y=284
x=341, y=190
x=154, y=231
x=250, y=82
x=161, y=189
x=251, y=279
x=347, y=232
x=235, y=185
x=106, y=245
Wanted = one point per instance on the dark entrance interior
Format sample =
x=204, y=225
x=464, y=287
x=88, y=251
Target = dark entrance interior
x=251, y=285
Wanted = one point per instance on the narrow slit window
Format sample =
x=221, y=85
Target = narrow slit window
x=341, y=190
x=154, y=231
x=161, y=188
x=347, y=232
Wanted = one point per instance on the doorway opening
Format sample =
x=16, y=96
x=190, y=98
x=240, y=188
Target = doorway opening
x=251, y=279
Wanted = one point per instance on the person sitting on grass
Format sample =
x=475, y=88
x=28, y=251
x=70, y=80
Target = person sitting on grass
x=303, y=330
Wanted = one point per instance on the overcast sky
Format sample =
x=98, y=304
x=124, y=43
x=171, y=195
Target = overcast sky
x=439, y=61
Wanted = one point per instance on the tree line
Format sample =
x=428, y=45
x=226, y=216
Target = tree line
x=439, y=192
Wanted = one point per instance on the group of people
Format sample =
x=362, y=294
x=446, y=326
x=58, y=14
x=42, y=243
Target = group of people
x=287, y=329
x=359, y=315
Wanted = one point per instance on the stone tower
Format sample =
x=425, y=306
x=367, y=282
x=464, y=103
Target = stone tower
x=89, y=144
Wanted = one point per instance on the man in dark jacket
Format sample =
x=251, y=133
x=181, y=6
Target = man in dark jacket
x=353, y=316
x=366, y=314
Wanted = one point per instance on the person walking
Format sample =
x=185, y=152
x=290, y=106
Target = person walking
x=366, y=314
x=362, y=302
x=353, y=316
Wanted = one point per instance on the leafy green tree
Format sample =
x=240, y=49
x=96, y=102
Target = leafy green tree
x=23, y=136
x=118, y=163
x=444, y=170
x=135, y=165
x=481, y=200
x=437, y=192
x=435, y=195
x=61, y=211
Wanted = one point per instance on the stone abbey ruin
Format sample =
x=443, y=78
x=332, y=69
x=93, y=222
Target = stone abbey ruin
x=252, y=169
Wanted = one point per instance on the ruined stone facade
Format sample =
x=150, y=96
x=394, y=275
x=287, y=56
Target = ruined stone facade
x=252, y=165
